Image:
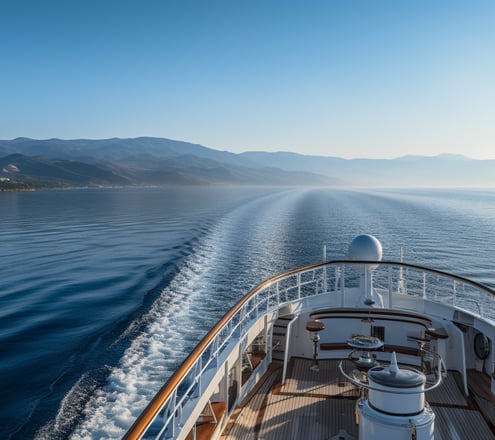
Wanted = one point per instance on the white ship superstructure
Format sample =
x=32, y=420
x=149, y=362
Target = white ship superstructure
x=349, y=349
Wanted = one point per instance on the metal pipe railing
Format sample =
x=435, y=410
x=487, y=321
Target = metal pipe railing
x=305, y=282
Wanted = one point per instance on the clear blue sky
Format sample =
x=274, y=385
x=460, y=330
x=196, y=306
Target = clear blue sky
x=342, y=78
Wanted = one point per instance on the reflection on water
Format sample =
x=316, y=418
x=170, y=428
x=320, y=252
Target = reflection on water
x=103, y=292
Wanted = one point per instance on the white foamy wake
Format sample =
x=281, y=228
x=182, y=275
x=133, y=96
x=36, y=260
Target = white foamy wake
x=150, y=359
x=184, y=305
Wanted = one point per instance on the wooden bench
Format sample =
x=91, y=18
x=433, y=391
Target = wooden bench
x=371, y=314
x=386, y=348
x=378, y=314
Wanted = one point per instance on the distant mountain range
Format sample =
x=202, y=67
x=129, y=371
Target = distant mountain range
x=445, y=170
x=53, y=163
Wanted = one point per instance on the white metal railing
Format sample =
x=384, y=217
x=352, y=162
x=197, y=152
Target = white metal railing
x=161, y=418
x=287, y=348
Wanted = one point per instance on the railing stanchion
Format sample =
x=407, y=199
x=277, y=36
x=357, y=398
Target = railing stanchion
x=325, y=287
x=390, y=288
x=454, y=293
x=342, y=287
x=174, y=414
x=336, y=286
x=199, y=389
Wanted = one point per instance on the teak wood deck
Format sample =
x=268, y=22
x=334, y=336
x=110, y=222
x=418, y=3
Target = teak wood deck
x=321, y=405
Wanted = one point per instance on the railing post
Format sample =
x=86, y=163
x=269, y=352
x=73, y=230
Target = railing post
x=454, y=294
x=199, y=367
x=286, y=351
x=267, y=338
x=216, y=349
x=390, y=288
x=299, y=285
x=400, y=283
x=367, y=287
x=315, y=281
x=342, y=287
x=424, y=285
x=242, y=318
x=175, y=414
x=325, y=285
x=257, y=298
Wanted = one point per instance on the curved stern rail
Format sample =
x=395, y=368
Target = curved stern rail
x=332, y=277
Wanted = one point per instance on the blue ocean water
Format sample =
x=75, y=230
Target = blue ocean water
x=103, y=292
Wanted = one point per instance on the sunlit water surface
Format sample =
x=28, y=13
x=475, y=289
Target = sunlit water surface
x=104, y=292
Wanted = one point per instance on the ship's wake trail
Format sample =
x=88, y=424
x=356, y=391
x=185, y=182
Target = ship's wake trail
x=228, y=261
x=260, y=238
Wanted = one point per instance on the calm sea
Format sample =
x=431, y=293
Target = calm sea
x=103, y=292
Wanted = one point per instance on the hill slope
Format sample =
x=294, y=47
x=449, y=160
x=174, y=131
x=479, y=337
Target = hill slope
x=156, y=161
x=47, y=172
x=141, y=161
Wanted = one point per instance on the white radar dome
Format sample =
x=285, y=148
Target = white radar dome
x=365, y=248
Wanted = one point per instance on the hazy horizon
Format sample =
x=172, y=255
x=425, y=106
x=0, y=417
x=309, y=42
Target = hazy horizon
x=443, y=154
x=352, y=79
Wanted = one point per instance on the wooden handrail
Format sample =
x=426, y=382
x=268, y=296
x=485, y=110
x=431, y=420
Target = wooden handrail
x=147, y=416
x=156, y=404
